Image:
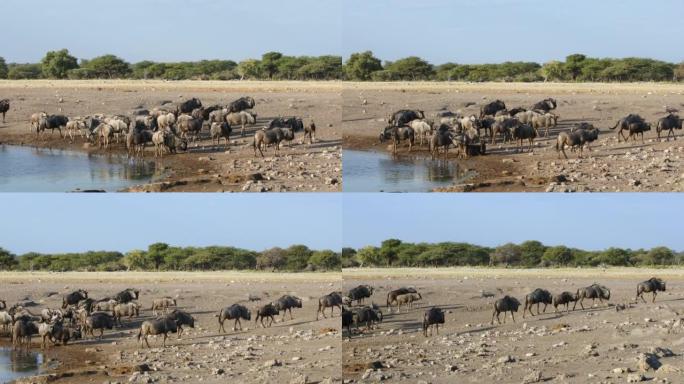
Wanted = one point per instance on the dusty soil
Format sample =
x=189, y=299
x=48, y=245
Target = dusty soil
x=610, y=166
x=596, y=345
x=206, y=168
x=302, y=347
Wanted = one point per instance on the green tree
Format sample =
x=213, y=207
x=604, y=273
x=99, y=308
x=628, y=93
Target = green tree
x=361, y=65
x=24, y=71
x=560, y=255
x=679, y=72
x=155, y=254
x=135, y=260
x=553, y=70
x=349, y=258
x=56, y=64
x=573, y=65
x=411, y=68
x=269, y=64
x=325, y=260
x=531, y=253
x=297, y=257
x=615, y=256
x=369, y=256
x=248, y=69
x=508, y=254
x=3, y=68
x=7, y=260
x=658, y=256
x=389, y=250
x=107, y=66
x=273, y=258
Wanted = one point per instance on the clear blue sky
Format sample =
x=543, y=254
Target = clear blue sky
x=479, y=31
x=589, y=221
x=169, y=30
x=59, y=222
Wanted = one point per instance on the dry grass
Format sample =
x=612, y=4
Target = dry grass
x=545, y=88
x=480, y=272
x=9, y=277
x=210, y=85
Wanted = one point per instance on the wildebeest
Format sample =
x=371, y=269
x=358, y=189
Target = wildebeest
x=503, y=127
x=4, y=107
x=545, y=105
x=505, y=304
x=181, y=318
x=105, y=305
x=74, y=297
x=188, y=106
x=576, y=138
x=538, y=296
x=547, y=120
x=360, y=293
x=392, y=295
x=491, y=108
x=310, y=132
x=397, y=134
x=241, y=104
x=129, y=309
x=433, y=317
x=523, y=132
x=331, y=300
x=368, y=315
x=127, y=295
x=563, y=298
x=593, y=292
x=441, y=138
x=234, y=312
x=189, y=125
x=408, y=300
x=269, y=310
x=98, y=320
x=244, y=118
x=52, y=122
x=624, y=124
x=285, y=304
x=274, y=136
x=162, y=326
x=669, y=123
x=347, y=320
x=219, y=130
x=404, y=116
x=422, y=129
x=653, y=284
x=22, y=331
x=162, y=304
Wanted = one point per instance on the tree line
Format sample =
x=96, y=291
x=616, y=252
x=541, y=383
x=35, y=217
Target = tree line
x=360, y=66
x=364, y=66
x=272, y=66
x=164, y=257
x=528, y=254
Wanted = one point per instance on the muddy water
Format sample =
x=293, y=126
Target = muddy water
x=27, y=169
x=17, y=364
x=366, y=171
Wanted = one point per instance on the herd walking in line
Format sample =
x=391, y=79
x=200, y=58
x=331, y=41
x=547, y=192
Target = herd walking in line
x=171, y=129
x=356, y=314
x=520, y=126
x=81, y=317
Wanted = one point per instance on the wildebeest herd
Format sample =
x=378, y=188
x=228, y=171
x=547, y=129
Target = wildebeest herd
x=470, y=134
x=81, y=316
x=170, y=129
x=369, y=315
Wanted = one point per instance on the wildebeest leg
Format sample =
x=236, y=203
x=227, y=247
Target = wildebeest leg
x=180, y=332
x=101, y=333
x=544, y=308
x=164, y=340
x=291, y=318
x=493, y=314
x=271, y=323
x=513, y=316
x=505, y=313
x=640, y=295
x=654, y=296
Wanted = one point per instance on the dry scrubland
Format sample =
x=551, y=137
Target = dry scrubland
x=300, y=167
x=610, y=166
x=289, y=351
x=595, y=345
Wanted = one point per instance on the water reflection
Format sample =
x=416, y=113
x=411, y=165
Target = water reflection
x=15, y=364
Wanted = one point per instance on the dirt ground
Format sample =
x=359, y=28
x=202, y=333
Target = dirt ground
x=596, y=345
x=610, y=166
x=206, y=168
x=303, y=350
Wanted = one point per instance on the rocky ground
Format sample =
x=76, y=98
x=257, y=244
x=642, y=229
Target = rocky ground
x=621, y=341
x=303, y=350
x=610, y=166
x=300, y=167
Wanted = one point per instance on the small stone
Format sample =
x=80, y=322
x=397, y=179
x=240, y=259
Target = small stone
x=635, y=378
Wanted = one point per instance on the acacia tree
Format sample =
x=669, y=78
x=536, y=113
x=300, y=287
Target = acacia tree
x=56, y=64
x=361, y=65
